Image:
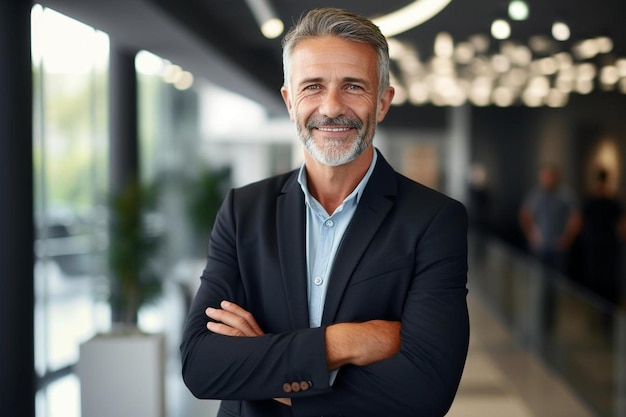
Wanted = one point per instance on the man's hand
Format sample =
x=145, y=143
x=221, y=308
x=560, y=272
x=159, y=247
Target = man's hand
x=232, y=320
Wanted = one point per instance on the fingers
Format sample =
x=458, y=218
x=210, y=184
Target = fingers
x=232, y=320
x=285, y=401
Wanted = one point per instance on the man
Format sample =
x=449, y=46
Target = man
x=550, y=222
x=550, y=219
x=602, y=233
x=338, y=289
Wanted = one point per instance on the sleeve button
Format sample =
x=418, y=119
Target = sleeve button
x=287, y=387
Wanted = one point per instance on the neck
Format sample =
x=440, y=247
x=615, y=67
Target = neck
x=331, y=185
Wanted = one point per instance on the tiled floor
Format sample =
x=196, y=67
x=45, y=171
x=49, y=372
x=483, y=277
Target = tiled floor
x=500, y=380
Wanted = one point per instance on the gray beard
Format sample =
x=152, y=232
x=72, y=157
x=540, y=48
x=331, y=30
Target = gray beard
x=334, y=153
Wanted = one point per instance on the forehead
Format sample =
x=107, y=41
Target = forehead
x=333, y=54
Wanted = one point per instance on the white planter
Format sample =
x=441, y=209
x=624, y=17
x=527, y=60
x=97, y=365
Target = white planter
x=122, y=374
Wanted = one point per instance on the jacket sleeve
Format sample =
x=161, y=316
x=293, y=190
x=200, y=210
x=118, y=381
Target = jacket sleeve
x=243, y=368
x=422, y=379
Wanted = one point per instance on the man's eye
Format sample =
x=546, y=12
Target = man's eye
x=354, y=87
x=312, y=87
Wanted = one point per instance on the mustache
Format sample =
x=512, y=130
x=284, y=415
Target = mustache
x=341, y=121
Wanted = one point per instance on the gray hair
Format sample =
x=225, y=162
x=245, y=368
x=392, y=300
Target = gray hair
x=343, y=24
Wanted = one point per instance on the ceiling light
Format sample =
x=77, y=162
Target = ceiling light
x=418, y=93
x=609, y=75
x=518, y=10
x=605, y=44
x=444, y=45
x=503, y=96
x=271, y=26
x=586, y=71
x=480, y=43
x=464, y=52
x=500, y=29
x=400, y=96
x=556, y=98
x=548, y=66
x=621, y=66
x=148, y=64
x=522, y=56
x=564, y=60
x=541, y=44
x=480, y=91
x=586, y=49
x=564, y=84
x=171, y=73
x=584, y=86
x=184, y=81
x=396, y=48
x=409, y=16
x=500, y=63
x=560, y=31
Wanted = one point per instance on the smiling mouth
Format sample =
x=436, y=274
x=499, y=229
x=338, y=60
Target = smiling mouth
x=334, y=129
x=341, y=124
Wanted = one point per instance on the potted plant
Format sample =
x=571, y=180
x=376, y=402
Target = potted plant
x=205, y=193
x=122, y=371
x=133, y=243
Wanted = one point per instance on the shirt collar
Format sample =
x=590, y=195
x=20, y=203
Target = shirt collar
x=356, y=193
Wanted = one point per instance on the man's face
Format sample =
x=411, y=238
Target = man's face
x=548, y=178
x=332, y=97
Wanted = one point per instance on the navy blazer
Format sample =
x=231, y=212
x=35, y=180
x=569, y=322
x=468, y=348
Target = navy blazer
x=403, y=257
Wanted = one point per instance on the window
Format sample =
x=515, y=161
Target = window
x=70, y=69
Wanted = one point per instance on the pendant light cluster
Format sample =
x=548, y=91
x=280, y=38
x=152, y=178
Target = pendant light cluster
x=494, y=70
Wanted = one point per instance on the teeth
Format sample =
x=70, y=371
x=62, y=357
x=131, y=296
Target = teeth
x=334, y=129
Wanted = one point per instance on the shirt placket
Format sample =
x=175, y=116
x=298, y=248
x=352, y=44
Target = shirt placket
x=320, y=270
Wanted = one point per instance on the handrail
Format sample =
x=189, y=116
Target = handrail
x=579, y=335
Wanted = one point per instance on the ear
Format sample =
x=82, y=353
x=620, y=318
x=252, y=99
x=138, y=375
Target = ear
x=385, y=103
x=286, y=98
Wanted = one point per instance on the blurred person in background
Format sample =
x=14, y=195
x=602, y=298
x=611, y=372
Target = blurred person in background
x=479, y=208
x=603, y=230
x=550, y=219
x=338, y=288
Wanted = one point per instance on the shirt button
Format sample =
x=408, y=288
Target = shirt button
x=329, y=223
x=318, y=281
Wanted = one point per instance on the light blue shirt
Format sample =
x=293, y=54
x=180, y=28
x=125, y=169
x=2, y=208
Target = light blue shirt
x=324, y=232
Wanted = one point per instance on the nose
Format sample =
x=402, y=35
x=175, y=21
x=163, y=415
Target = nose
x=332, y=104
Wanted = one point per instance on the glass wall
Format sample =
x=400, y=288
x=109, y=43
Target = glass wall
x=188, y=150
x=70, y=155
x=576, y=334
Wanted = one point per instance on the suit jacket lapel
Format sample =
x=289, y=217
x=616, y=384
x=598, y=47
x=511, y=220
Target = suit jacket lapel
x=375, y=203
x=291, y=231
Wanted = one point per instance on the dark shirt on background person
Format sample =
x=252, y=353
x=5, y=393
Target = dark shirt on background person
x=602, y=216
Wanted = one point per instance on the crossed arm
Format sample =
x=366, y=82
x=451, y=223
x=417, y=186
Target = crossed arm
x=236, y=360
x=346, y=343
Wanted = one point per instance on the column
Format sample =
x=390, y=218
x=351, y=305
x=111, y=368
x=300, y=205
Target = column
x=123, y=118
x=17, y=379
x=123, y=148
x=458, y=152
